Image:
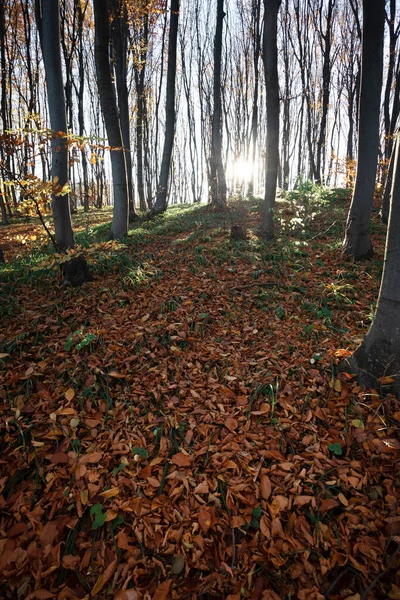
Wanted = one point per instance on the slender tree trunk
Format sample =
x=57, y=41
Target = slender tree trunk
x=217, y=172
x=326, y=84
x=108, y=102
x=160, y=204
x=357, y=242
x=80, y=92
x=120, y=44
x=256, y=20
x=270, y=57
x=48, y=21
x=379, y=353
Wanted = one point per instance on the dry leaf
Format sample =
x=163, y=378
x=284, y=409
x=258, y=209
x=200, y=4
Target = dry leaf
x=69, y=394
x=181, y=460
x=104, y=578
x=265, y=487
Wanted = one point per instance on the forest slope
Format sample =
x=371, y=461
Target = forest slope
x=176, y=428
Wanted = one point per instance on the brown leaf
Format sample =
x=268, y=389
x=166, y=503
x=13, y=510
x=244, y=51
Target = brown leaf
x=106, y=576
x=162, y=590
x=110, y=493
x=204, y=518
x=70, y=562
x=231, y=424
x=181, y=460
x=265, y=487
x=16, y=530
x=58, y=458
x=126, y=595
x=328, y=504
x=202, y=488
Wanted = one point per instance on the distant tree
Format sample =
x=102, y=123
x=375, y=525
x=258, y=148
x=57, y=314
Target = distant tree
x=270, y=58
x=108, y=102
x=357, y=242
x=48, y=23
x=217, y=171
x=379, y=353
x=160, y=204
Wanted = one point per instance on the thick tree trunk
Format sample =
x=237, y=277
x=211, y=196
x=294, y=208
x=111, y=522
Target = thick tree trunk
x=48, y=14
x=379, y=353
x=357, y=242
x=217, y=171
x=270, y=57
x=160, y=204
x=108, y=102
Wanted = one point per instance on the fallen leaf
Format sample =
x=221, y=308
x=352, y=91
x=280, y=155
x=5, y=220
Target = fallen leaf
x=265, y=487
x=69, y=394
x=106, y=576
x=162, y=590
x=181, y=460
x=111, y=493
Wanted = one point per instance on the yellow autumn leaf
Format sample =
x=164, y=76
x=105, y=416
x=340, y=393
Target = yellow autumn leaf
x=110, y=493
x=69, y=394
x=338, y=385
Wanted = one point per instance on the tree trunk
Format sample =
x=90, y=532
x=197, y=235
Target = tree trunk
x=108, y=103
x=48, y=21
x=217, y=172
x=120, y=44
x=379, y=353
x=160, y=204
x=357, y=242
x=270, y=57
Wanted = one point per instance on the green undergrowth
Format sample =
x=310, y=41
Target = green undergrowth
x=305, y=218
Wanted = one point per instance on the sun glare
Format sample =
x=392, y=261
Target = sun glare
x=242, y=170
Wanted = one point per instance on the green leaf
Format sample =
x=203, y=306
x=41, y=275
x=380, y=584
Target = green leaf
x=336, y=449
x=68, y=343
x=142, y=452
x=119, y=519
x=99, y=517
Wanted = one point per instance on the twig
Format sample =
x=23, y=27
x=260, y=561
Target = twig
x=51, y=236
x=323, y=232
x=233, y=549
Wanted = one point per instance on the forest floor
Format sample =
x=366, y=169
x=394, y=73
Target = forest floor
x=175, y=428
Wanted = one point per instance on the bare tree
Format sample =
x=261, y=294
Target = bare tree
x=48, y=22
x=108, y=102
x=217, y=171
x=357, y=242
x=270, y=58
x=160, y=204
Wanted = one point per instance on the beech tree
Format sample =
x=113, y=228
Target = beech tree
x=270, y=57
x=378, y=355
x=160, y=204
x=48, y=22
x=217, y=171
x=108, y=102
x=357, y=242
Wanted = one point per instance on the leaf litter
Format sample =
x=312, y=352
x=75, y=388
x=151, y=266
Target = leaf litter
x=184, y=436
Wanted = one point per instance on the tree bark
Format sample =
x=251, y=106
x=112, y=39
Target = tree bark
x=357, y=242
x=270, y=57
x=120, y=44
x=108, y=103
x=379, y=353
x=217, y=171
x=48, y=21
x=160, y=204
